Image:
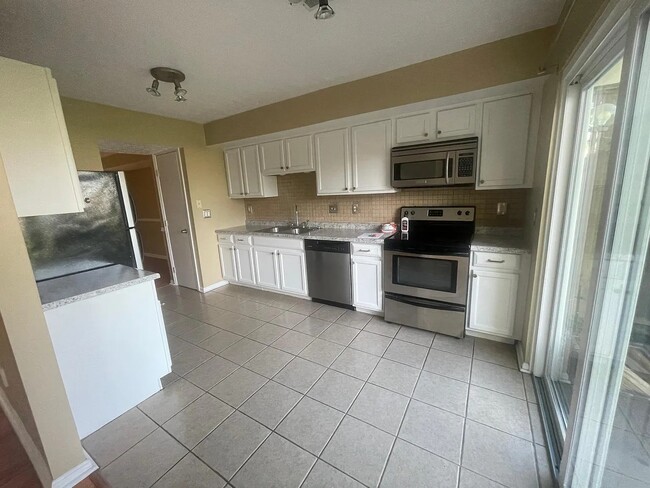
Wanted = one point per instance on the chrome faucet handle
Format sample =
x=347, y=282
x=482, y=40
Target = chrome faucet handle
x=304, y=224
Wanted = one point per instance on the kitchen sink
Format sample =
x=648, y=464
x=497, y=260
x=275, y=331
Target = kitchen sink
x=288, y=230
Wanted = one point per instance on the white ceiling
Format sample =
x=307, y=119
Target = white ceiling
x=242, y=54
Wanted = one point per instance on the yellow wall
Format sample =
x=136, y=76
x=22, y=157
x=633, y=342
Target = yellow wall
x=31, y=349
x=504, y=61
x=88, y=123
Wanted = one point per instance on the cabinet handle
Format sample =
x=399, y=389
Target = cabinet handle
x=364, y=250
x=498, y=261
x=346, y=189
x=482, y=181
x=474, y=275
x=439, y=132
x=354, y=188
x=426, y=134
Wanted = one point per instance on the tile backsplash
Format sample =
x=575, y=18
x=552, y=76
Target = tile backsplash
x=300, y=189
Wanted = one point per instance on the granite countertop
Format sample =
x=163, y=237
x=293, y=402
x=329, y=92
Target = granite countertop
x=502, y=243
x=73, y=288
x=337, y=233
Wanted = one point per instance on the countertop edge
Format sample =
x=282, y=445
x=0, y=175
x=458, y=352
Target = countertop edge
x=99, y=291
x=304, y=237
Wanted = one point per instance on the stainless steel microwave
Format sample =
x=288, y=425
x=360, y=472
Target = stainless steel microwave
x=446, y=163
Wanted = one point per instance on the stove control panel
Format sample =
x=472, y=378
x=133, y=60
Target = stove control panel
x=438, y=214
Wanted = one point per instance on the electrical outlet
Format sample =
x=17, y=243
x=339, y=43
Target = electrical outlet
x=249, y=209
x=199, y=204
x=207, y=213
x=355, y=208
x=3, y=376
x=334, y=208
x=502, y=208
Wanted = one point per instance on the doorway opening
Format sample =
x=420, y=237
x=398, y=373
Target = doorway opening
x=157, y=184
x=145, y=201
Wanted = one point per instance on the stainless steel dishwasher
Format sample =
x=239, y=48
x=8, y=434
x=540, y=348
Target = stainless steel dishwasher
x=329, y=272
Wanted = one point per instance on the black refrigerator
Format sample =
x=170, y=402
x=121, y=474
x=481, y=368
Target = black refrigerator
x=102, y=235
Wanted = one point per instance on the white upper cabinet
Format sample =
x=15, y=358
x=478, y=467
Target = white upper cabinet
x=456, y=122
x=299, y=154
x=251, y=171
x=244, y=175
x=272, y=158
x=371, y=145
x=34, y=142
x=332, y=162
x=412, y=128
x=504, y=161
x=234, y=173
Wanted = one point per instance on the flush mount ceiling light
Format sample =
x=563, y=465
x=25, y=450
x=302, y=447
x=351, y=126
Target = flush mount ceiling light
x=168, y=75
x=323, y=12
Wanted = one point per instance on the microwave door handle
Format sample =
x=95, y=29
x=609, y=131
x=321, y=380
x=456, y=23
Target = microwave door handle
x=447, y=168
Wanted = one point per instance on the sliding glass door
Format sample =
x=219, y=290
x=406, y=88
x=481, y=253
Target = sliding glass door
x=596, y=385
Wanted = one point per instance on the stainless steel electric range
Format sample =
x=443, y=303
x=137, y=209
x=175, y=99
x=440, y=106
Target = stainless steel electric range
x=426, y=269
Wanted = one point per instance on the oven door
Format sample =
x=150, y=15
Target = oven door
x=421, y=170
x=431, y=277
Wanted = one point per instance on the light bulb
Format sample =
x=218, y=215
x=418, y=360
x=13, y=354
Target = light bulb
x=153, y=89
x=324, y=11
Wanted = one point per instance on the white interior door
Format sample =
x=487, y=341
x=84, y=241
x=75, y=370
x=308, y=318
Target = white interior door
x=173, y=196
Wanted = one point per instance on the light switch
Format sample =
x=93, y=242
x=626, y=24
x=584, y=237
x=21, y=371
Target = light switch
x=207, y=214
x=334, y=208
x=502, y=208
x=3, y=376
x=199, y=204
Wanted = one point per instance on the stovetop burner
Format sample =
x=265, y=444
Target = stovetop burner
x=434, y=230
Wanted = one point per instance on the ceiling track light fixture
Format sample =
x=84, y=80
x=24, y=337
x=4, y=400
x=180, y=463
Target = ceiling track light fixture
x=168, y=75
x=324, y=11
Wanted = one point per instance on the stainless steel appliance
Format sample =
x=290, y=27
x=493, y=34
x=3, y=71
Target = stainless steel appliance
x=102, y=235
x=426, y=269
x=329, y=274
x=446, y=163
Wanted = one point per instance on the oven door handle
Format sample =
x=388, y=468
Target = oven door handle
x=421, y=302
x=447, y=168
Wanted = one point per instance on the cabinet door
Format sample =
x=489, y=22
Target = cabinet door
x=493, y=302
x=234, y=173
x=504, y=142
x=371, y=157
x=412, y=128
x=455, y=122
x=245, y=264
x=299, y=154
x=251, y=174
x=367, y=289
x=332, y=162
x=34, y=141
x=272, y=158
x=228, y=262
x=293, y=271
x=266, y=267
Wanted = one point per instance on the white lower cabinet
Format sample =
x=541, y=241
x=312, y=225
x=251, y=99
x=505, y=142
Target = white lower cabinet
x=367, y=291
x=293, y=271
x=245, y=264
x=495, y=295
x=266, y=267
x=367, y=278
x=228, y=262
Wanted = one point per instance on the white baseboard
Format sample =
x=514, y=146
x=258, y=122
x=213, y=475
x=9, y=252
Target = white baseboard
x=76, y=474
x=490, y=337
x=214, y=286
x=34, y=454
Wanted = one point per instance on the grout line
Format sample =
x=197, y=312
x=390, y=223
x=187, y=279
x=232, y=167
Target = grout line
x=462, y=442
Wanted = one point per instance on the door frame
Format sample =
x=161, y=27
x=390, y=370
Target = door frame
x=190, y=219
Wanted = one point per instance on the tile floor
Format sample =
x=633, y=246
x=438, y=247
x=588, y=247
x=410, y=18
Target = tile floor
x=273, y=391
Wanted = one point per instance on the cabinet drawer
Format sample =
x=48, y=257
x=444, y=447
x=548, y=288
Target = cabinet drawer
x=368, y=250
x=279, y=242
x=226, y=238
x=244, y=240
x=497, y=260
